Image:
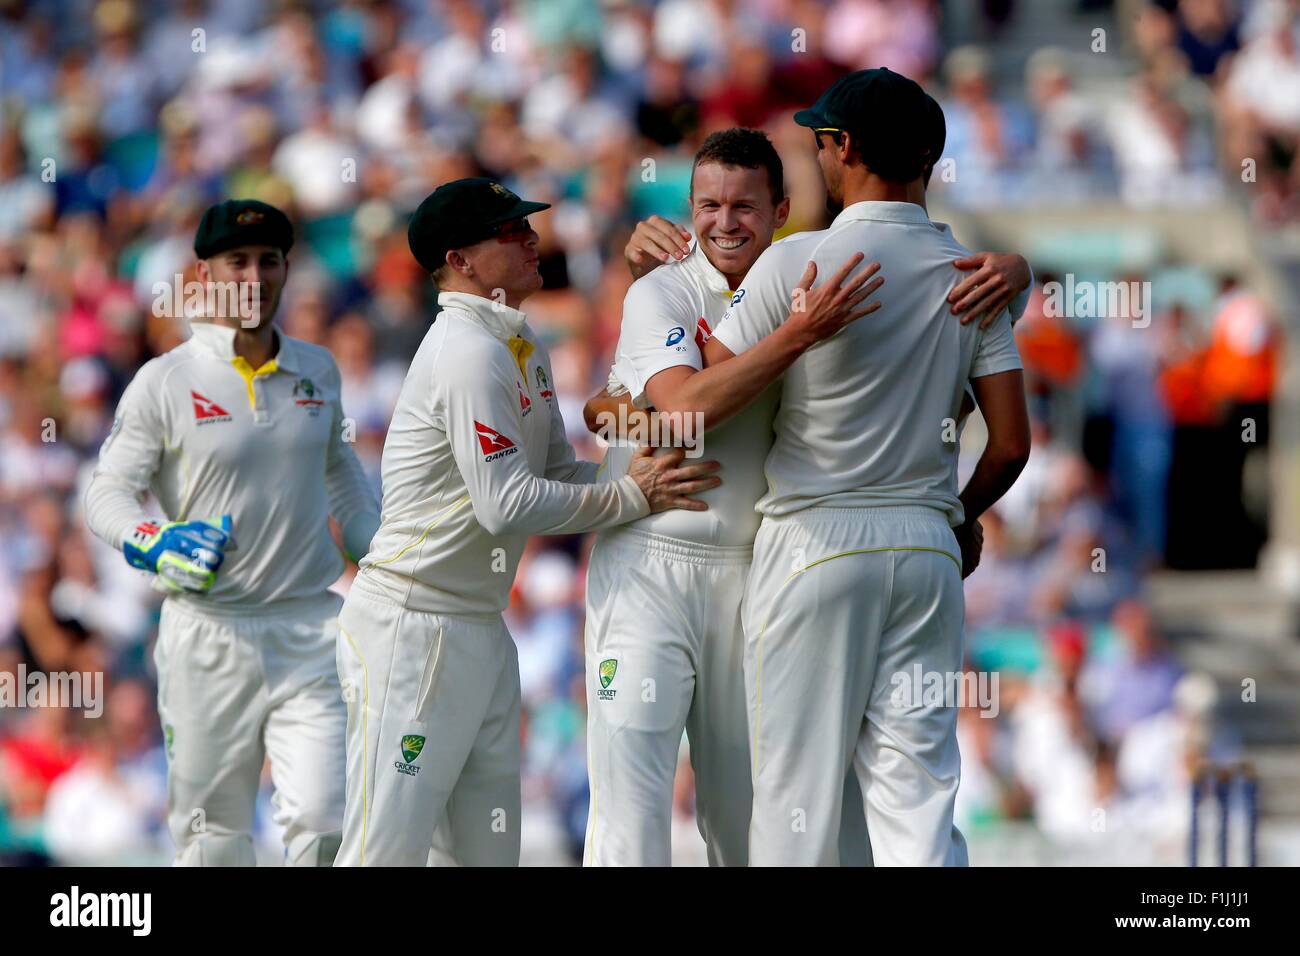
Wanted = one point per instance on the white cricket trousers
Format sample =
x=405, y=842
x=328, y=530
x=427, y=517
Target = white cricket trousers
x=839, y=602
x=432, y=736
x=664, y=653
x=235, y=687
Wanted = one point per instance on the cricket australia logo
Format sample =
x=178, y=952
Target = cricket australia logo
x=606, y=673
x=412, y=744
x=304, y=396
x=544, y=384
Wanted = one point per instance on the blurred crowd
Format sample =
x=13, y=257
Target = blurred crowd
x=120, y=121
x=1207, y=105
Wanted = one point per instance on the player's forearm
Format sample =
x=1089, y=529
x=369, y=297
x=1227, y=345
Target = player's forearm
x=112, y=509
x=614, y=417
x=577, y=472
x=357, y=533
x=724, y=388
x=995, y=473
x=537, y=506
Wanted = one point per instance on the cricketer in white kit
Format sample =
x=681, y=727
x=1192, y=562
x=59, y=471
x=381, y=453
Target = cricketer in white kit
x=664, y=637
x=663, y=634
x=864, y=539
x=476, y=459
x=242, y=425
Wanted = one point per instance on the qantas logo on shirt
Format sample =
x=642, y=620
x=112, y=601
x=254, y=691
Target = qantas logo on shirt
x=702, y=332
x=207, y=411
x=494, y=444
x=525, y=403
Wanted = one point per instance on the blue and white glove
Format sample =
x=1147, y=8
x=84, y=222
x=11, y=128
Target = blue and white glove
x=184, y=554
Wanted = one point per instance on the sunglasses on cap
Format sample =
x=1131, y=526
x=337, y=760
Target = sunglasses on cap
x=835, y=134
x=510, y=228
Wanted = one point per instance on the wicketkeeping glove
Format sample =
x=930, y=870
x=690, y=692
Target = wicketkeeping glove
x=184, y=554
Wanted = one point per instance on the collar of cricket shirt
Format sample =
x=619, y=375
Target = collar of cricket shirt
x=219, y=341
x=714, y=280
x=882, y=212
x=503, y=322
x=497, y=317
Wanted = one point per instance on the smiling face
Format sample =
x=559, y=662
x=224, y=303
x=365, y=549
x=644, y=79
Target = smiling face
x=734, y=215
x=260, y=273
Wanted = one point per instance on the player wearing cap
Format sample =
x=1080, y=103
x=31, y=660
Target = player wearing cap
x=664, y=638
x=864, y=539
x=238, y=434
x=475, y=460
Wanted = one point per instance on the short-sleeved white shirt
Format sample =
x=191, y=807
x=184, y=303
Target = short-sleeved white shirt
x=668, y=315
x=868, y=417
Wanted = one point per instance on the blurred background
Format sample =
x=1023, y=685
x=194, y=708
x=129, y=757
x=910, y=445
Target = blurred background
x=1138, y=593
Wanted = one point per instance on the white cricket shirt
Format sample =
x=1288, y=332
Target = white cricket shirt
x=868, y=417
x=476, y=459
x=209, y=435
x=668, y=315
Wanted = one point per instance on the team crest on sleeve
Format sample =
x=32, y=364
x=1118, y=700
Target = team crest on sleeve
x=544, y=384
x=494, y=444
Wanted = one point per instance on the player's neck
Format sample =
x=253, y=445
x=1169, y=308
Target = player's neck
x=255, y=346
x=868, y=187
x=467, y=286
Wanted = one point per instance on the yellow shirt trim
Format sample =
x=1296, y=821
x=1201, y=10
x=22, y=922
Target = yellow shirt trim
x=521, y=348
x=243, y=368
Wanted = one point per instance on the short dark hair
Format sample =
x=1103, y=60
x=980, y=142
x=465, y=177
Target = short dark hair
x=746, y=148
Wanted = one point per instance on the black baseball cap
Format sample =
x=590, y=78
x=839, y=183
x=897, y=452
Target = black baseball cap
x=461, y=213
x=241, y=222
x=891, y=119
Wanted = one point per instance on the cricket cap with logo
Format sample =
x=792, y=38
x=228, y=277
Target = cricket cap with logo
x=460, y=213
x=893, y=122
x=241, y=222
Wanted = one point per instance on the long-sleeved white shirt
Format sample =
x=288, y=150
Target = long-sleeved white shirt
x=209, y=435
x=668, y=315
x=476, y=459
x=868, y=417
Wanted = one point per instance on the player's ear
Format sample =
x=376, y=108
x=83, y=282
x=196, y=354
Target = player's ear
x=458, y=262
x=203, y=271
x=782, y=213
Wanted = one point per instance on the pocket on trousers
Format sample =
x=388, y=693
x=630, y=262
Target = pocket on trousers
x=429, y=674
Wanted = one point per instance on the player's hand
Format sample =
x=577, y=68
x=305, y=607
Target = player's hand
x=817, y=314
x=971, y=538
x=998, y=278
x=655, y=241
x=667, y=483
x=185, y=555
